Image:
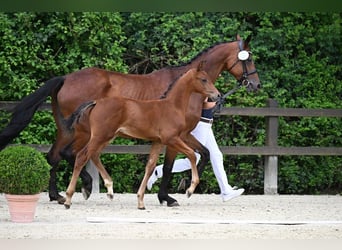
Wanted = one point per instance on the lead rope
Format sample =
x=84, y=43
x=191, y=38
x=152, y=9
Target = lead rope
x=220, y=102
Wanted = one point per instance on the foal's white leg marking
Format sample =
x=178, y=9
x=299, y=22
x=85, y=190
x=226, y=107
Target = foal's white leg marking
x=109, y=185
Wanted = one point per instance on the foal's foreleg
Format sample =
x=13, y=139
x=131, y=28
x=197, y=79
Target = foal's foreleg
x=193, y=143
x=197, y=146
x=150, y=166
x=182, y=147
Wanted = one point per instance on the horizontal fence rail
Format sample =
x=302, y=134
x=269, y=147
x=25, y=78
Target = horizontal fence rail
x=245, y=111
x=270, y=151
x=228, y=150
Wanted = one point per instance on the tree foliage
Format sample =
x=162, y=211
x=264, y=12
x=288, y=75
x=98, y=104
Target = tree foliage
x=298, y=57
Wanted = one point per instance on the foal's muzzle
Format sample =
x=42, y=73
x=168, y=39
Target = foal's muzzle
x=214, y=96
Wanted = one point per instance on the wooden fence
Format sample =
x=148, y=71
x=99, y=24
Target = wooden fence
x=270, y=151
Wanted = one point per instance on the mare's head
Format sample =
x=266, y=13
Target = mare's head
x=241, y=65
x=202, y=82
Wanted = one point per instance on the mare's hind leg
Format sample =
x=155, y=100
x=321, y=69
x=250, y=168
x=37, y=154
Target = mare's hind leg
x=169, y=159
x=53, y=158
x=108, y=182
x=87, y=183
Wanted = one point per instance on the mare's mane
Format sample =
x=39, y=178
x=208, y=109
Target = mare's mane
x=198, y=55
x=187, y=63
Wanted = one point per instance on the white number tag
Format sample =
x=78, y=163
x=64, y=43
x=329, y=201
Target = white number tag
x=243, y=55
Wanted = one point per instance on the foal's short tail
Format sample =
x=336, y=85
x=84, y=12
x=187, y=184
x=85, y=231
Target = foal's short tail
x=75, y=116
x=24, y=111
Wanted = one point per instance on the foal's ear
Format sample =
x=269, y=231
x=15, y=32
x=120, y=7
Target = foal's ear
x=200, y=65
x=238, y=37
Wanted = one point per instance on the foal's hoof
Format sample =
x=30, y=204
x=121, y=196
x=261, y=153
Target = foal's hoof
x=110, y=196
x=67, y=206
x=61, y=200
x=188, y=193
x=86, y=194
x=141, y=208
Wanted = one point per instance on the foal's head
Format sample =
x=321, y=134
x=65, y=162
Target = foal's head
x=242, y=66
x=202, y=82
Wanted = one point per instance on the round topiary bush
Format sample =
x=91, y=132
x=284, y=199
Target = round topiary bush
x=23, y=170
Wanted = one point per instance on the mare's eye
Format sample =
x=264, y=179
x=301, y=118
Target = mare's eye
x=203, y=80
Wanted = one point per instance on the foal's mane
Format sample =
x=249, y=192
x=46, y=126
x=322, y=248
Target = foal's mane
x=198, y=55
x=163, y=96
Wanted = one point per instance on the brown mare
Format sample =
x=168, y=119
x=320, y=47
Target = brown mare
x=160, y=121
x=93, y=83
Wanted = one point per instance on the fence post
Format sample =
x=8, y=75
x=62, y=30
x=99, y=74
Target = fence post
x=271, y=161
x=94, y=173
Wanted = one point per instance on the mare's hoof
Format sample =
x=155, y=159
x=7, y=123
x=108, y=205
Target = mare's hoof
x=86, y=194
x=60, y=199
x=67, y=206
x=141, y=208
x=169, y=200
x=110, y=196
x=182, y=185
x=173, y=204
x=188, y=193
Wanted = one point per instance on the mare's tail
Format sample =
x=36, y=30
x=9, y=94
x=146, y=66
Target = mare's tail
x=75, y=116
x=24, y=111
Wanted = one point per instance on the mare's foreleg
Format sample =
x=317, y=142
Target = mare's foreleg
x=150, y=166
x=169, y=160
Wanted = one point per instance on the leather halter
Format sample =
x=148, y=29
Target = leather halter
x=244, y=78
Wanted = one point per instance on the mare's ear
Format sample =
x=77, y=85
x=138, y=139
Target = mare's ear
x=200, y=65
x=248, y=39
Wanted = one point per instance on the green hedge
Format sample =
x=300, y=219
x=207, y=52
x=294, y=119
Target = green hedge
x=298, y=57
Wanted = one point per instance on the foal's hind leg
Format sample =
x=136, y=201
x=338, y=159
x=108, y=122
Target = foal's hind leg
x=150, y=166
x=82, y=158
x=87, y=182
x=108, y=182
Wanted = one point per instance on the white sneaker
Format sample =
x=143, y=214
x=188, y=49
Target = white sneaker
x=153, y=178
x=232, y=194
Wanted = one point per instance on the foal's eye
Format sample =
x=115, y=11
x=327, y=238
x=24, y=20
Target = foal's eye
x=203, y=80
